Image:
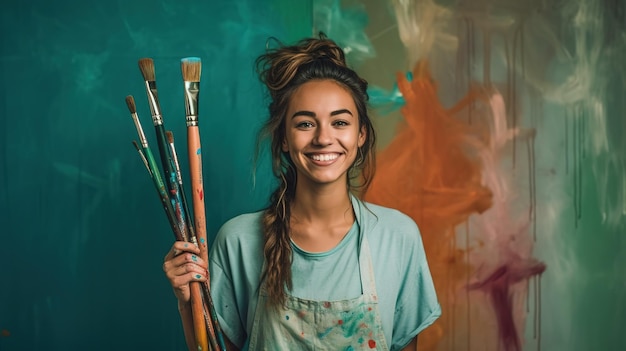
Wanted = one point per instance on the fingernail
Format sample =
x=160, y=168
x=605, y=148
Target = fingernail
x=198, y=276
x=194, y=258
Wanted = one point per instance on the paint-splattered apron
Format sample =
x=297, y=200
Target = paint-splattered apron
x=345, y=325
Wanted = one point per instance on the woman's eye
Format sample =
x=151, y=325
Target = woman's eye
x=341, y=123
x=305, y=124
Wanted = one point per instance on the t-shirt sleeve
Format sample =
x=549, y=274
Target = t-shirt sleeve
x=417, y=306
x=223, y=291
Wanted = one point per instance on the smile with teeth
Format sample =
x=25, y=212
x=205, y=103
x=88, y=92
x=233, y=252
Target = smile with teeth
x=324, y=157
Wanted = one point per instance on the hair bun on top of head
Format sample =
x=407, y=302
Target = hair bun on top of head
x=280, y=63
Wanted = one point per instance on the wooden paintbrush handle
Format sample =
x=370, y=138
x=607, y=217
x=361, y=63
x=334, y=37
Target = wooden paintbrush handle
x=197, y=311
x=217, y=336
x=197, y=189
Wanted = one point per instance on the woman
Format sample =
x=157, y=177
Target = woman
x=318, y=268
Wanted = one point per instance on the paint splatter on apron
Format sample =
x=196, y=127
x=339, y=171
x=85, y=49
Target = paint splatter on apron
x=346, y=325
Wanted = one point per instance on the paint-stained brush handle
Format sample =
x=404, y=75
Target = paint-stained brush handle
x=185, y=203
x=191, y=68
x=191, y=78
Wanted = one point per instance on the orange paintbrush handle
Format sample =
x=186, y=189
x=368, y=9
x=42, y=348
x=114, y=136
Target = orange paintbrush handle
x=197, y=188
x=197, y=311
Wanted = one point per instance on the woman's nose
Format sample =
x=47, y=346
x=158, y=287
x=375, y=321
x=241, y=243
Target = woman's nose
x=323, y=135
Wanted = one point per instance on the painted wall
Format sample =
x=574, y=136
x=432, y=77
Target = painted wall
x=83, y=235
x=520, y=192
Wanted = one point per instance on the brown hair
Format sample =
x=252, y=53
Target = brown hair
x=283, y=69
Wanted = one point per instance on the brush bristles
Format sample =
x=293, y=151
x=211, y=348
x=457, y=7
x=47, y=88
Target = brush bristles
x=170, y=136
x=146, y=65
x=130, y=102
x=191, y=67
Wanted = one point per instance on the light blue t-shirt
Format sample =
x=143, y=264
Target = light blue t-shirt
x=406, y=295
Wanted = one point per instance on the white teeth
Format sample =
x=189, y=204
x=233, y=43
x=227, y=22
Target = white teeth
x=325, y=157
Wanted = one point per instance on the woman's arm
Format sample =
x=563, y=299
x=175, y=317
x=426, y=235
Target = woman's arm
x=412, y=346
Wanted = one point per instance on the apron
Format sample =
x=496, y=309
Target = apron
x=346, y=325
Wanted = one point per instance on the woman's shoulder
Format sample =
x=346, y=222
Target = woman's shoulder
x=390, y=218
x=390, y=230
x=245, y=228
x=244, y=221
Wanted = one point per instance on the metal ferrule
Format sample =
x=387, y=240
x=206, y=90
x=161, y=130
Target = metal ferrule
x=142, y=136
x=153, y=100
x=192, y=90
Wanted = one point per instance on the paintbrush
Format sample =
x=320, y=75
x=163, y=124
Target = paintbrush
x=153, y=169
x=179, y=178
x=195, y=169
x=142, y=156
x=191, y=69
x=146, y=66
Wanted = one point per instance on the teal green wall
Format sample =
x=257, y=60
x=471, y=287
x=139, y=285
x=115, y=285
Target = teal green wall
x=82, y=232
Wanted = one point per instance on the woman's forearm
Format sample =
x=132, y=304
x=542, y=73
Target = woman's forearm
x=412, y=346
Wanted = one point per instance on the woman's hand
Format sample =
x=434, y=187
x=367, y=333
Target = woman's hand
x=183, y=265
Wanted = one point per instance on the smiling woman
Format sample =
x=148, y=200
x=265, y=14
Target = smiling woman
x=300, y=274
x=322, y=134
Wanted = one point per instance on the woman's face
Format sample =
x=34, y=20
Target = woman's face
x=322, y=133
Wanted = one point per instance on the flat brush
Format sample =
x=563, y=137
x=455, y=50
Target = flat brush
x=199, y=224
x=146, y=66
x=153, y=168
x=191, y=76
x=191, y=69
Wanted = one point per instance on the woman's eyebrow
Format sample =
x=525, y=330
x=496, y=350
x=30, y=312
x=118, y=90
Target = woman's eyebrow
x=303, y=113
x=339, y=112
x=312, y=114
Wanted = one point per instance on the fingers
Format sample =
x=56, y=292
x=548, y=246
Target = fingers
x=179, y=247
x=180, y=285
x=181, y=281
x=183, y=265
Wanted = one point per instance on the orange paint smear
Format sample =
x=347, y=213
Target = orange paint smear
x=431, y=171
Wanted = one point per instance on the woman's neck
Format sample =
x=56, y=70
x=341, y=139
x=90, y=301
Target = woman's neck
x=320, y=217
x=322, y=203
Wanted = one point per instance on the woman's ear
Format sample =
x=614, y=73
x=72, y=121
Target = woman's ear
x=362, y=136
x=285, y=146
